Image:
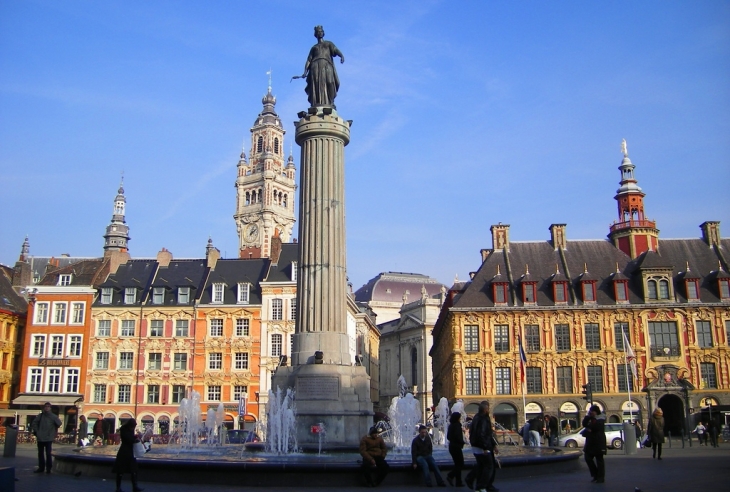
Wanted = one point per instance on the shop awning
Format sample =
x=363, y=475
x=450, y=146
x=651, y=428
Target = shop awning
x=61, y=400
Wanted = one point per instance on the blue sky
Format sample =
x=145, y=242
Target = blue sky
x=465, y=114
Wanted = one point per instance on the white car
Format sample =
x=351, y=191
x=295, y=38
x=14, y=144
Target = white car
x=613, y=437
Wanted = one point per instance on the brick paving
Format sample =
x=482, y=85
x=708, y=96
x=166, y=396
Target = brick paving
x=696, y=468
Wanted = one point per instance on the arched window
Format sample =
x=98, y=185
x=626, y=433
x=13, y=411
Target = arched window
x=414, y=366
x=276, y=146
x=260, y=144
x=651, y=288
x=285, y=197
x=663, y=289
x=248, y=198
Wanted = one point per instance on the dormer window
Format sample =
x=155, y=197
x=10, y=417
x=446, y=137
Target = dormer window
x=500, y=293
x=130, y=295
x=589, y=291
x=723, y=285
x=217, y=296
x=693, y=290
x=294, y=267
x=183, y=295
x=158, y=295
x=529, y=293
x=621, y=291
x=106, y=295
x=244, y=289
x=560, y=292
x=657, y=289
x=64, y=279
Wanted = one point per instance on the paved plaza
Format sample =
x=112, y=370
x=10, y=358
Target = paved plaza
x=696, y=468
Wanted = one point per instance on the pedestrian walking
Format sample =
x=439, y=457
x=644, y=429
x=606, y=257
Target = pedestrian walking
x=701, y=432
x=126, y=462
x=422, y=456
x=484, y=447
x=455, y=436
x=655, y=431
x=98, y=430
x=712, y=432
x=595, y=446
x=45, y=428
x=83, y=431
x=373, y=452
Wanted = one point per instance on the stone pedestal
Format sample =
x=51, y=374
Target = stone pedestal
x=334, y=392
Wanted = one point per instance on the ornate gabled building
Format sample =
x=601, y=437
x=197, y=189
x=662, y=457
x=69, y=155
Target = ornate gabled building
x=265, y=186
x=572, y=302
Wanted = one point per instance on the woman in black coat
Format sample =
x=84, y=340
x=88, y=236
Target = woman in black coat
x=126, y=462
x=455, y=436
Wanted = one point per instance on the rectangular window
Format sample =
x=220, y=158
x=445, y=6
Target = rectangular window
x=623, y=383
x=559, y=291
x=704, y=333
x=104, y=328
x=183, y=295
x=214, y=393
x=78, y=310
x=59, y=313
x=127, y=328
x=153, y=393
x=293, y=308
x=57, y=346
x=528, y=292
x=618, y=330
x=180, y=362
x=64, y=279
x=565, y=379
x=154, y=361
x=593, y=336
x=126, y=360
x=595, y=378
x=217, y=294
x=501, y=338
x=239, y=391
x=621, y=294
x=708, y=375
x=36, y=378
x=39, y=346
x=102, y=360
x=242, y=327
x=724, y=287
x=241, y=360
x=41, y=313
x=74, y=346
x=473, y=381
x=181, y=327
x=215, y=360
x=54, y=381
x=243, y=291
x=156, y=327
x=503, y=380
x=106, y=295
x=562, y=338
x=471, y=338
x=276, y=343
x=72, y=380
x=124, y=393
x=533, y=377
x=130, y=295
x=216, y=327
x=692, y=290
x=178, y=393
x=158, y=295
x=532, y=338
x=500, y=293
x=99, y=393
x=663, y=338
x=276, y=309
x=588, y=295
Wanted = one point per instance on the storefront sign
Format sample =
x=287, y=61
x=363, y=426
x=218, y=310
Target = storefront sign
x=629, y=406
x=533, y=408
x=568, y=407
x=54, y=362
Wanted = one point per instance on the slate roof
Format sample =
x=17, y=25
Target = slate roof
x=390, y=287
x=133, y=273
x=9, y=299
x=180, y=273
x=281, y=271
x=231, y=272
x=39, y=264
x=83, y=272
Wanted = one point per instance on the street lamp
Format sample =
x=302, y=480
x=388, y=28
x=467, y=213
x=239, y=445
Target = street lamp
x=708, y=402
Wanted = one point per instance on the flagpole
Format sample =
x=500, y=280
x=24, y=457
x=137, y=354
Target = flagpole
x=626, y=370
x=523, y=376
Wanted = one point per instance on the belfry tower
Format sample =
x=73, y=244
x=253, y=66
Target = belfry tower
x=265, y=186
x=117, y=232
x=632, y=233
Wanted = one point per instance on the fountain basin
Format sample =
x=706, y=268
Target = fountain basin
x=226, y=465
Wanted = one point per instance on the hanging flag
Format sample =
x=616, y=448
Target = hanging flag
x=523, y=359
x=241, y=406
x=630, y=356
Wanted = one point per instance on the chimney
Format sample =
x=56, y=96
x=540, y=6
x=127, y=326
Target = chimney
x=500, y=237
x=164, y=257
x=116, y=258
x=711, y=233
x=557, y=236
x=212, y=255
x=275, y=247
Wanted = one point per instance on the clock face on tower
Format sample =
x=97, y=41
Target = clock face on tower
x=251, y=233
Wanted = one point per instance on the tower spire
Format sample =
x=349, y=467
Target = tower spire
x=117, y=232
x=632, y=233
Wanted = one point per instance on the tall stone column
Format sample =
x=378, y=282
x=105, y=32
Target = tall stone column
x=322, y=281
